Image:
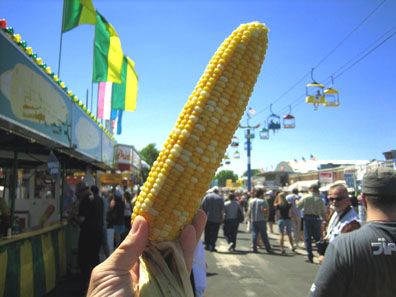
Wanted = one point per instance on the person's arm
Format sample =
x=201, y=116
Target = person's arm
x=118, y=275
x=112, y=203
x=248, y=213
x=203, y=204
x=324, y=210
x=333, y=275
x=277, y=214
x=350, y=226
x=300, y=203
x=264, y=207
x=83, y=209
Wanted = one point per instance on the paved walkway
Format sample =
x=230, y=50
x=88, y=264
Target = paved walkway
x=241, y=273
x=244, y=273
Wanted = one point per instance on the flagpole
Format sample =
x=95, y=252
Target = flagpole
x=61, y=38
x=97, y=104
x=93, y=62
x=60, y=54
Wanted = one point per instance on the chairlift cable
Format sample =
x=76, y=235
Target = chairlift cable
x=364, y=56
x=359, y=54
x=358, y=60
x=350, y=33
x=327, y=56
x=287, y=91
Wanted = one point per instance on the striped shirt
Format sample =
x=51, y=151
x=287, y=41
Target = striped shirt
x=258, y=210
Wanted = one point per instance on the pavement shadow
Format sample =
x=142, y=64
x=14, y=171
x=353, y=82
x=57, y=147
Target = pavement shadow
x=236, y=252
x=244, y=239
x=69, y=285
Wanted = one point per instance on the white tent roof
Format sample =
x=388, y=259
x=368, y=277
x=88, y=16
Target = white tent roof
x=341, y=181
x=302, y=185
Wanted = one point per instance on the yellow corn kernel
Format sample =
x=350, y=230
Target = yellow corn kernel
x=196, y=145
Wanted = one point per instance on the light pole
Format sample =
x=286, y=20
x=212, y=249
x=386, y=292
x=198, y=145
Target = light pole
x=248, y=149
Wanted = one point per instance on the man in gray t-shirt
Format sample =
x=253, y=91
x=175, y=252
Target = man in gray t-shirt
x=213, y=206
x=363, y=263
x=257, y=214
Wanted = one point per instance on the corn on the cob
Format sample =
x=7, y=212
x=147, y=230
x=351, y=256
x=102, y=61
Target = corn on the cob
x=194, y=149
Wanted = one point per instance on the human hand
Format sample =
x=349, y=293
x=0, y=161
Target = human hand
x=118, y=275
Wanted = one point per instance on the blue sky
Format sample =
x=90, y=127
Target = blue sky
x=171, y=43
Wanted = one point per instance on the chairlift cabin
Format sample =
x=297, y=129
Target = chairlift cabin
x=236, y=155
x=250, y=133
x=274, y=121
x=235, y=141
x=331, y=96
x=314, y=93
x=226, y=160
x=264, y=132
x=289, y=121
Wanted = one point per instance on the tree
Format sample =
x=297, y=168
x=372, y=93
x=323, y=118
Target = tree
x=149, y=154
x=253, y=172
x=223, y=175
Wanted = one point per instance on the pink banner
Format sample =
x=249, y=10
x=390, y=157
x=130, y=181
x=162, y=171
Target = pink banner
x=104, y=100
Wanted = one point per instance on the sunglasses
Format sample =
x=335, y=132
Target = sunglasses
x=337, y=198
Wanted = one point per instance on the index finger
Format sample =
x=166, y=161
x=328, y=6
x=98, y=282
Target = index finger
x=199, y=223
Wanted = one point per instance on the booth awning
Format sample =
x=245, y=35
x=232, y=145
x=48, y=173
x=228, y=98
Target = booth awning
x=302, y=185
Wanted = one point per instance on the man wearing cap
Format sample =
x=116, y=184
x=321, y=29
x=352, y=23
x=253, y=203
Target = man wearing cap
x=363, y=262
x=314, y=211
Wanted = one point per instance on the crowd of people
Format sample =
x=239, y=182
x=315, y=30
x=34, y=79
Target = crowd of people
x=103, y=219
x=349, y=247
x=301, y=217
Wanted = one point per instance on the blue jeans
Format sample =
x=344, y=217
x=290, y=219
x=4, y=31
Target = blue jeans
x=260, y=227
x=311, y=229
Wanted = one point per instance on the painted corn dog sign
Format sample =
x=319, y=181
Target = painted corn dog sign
x=29, y=99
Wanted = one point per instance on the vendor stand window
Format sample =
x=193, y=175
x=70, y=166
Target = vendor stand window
x=35, y=202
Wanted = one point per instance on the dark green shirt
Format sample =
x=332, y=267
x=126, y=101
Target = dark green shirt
x=361, y=263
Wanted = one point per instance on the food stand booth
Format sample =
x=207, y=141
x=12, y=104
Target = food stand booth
x=127, y=168
x=46, y=134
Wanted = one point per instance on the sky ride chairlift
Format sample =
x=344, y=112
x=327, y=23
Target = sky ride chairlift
x=331, y=96
x=273, y=121
x=264, y=132
x=235, y=141
x=314, y=94
x=289, y=121
x=226, y=160
x=236, y=155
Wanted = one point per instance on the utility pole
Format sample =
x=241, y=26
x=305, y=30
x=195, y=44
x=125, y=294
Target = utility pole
x=248, y=148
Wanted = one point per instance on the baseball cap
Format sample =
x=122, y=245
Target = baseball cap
x=381, y=181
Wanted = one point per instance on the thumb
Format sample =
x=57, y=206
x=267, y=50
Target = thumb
x=128, y=252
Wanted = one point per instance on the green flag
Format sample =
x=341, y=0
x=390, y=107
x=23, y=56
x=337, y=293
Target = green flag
x=108, y=55
x=77, y=12
x=124, y=95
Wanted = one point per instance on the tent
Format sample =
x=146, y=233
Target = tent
x=302, y=185
x=341, y=181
